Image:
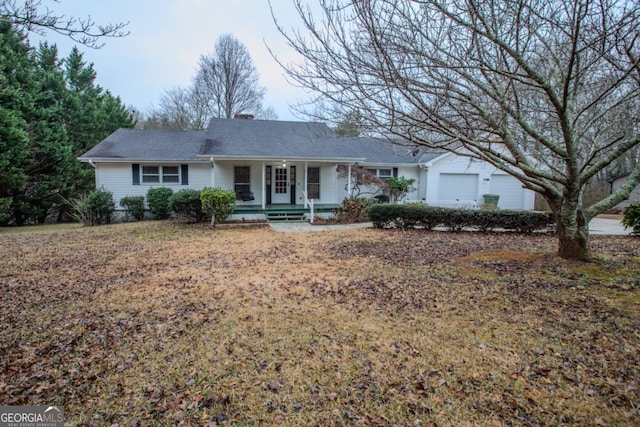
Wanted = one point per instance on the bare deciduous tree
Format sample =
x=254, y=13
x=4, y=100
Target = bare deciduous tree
x=33, y=16
x=226, y=84
x=229, y=79
x=180, y=108
x=266, y=114
x=546, y=90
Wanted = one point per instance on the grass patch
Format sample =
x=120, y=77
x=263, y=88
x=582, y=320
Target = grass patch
x=161, y=323
x=40, y=228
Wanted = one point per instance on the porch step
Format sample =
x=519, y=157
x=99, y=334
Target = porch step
x=280, y=216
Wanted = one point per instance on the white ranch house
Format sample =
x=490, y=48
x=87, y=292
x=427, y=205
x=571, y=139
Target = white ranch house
x=280, y=165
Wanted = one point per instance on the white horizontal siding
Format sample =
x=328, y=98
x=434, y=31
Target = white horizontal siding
x=411, y=172
x=509, y=189
x=408, y=172
x=330, y=185
x=199, y=176
x=118, y=179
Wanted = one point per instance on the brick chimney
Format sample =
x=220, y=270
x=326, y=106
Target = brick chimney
x=243, y=116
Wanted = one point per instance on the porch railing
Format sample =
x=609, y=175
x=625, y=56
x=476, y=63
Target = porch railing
x=310, y=203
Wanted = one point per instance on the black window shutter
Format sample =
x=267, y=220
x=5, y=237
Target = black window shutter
x=184, y=171
x=135, y=173
x=395, y=172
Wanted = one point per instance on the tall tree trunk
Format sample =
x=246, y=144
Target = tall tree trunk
x=573, y=233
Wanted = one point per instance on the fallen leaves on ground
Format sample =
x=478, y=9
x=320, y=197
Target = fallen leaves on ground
x=171, y=324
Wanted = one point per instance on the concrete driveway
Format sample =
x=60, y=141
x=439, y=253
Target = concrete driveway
x=608, y=226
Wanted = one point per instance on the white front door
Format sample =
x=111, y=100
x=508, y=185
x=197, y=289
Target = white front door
x=280, y=187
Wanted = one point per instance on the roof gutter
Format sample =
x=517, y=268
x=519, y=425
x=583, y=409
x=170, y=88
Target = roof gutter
x=139, y=160
x=292, y=158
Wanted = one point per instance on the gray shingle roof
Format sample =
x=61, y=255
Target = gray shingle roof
x=273, y=139
x=376, y=151
x=254, y=139
x=148, y=144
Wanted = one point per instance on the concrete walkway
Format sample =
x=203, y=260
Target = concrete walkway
x=597, y=226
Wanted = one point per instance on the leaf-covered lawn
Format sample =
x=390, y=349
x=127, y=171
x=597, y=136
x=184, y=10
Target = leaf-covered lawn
x=161, y=323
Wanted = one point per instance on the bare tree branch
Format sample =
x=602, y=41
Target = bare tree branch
x=35, y=17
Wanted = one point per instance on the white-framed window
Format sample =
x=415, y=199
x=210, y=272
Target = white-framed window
x=160, y=174
x=381, y=173
x=385, y=173
x=241, y=180
x=313, y=183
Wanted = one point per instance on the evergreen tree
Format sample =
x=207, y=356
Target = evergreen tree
x=51, y=111
x=350, y=124
x=81, y=102
x=15, y=75
x=92, y=114
x=51, y=164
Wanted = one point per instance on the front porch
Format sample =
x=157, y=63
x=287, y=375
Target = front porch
x=283, y=211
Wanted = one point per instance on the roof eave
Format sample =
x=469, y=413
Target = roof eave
x=280, y=158
x=137, y=160
x=416, y=164
x=435, y=159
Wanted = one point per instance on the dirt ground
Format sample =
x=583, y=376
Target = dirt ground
x=164, y=323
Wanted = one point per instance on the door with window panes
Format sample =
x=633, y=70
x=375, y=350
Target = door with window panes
x=280, y=185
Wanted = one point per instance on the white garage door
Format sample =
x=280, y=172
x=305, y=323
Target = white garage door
x=510, y=191
x=458, y=189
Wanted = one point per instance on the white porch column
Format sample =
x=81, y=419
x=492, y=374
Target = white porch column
x=306, y=170
x=349, y=186
x=213, y=172
x=264, y=186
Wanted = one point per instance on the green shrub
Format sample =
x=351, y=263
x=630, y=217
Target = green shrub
x=631, y=217
x=134, y=206
x=186, y=204
x=384, y=215
x=158, y=200
x=218, y=203
x=96, y=208
x=400, y=187
x=417, y=215
x=5, y=205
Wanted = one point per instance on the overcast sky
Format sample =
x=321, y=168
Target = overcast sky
x=166, y=41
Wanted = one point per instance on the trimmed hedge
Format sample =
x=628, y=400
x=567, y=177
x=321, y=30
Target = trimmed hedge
x=134, y=206
x=428, y=217
x=218, y=203
x=186, y=204
x=158, y=201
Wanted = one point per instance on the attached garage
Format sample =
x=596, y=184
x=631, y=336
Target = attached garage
x=510, y=191
x=458, y=189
